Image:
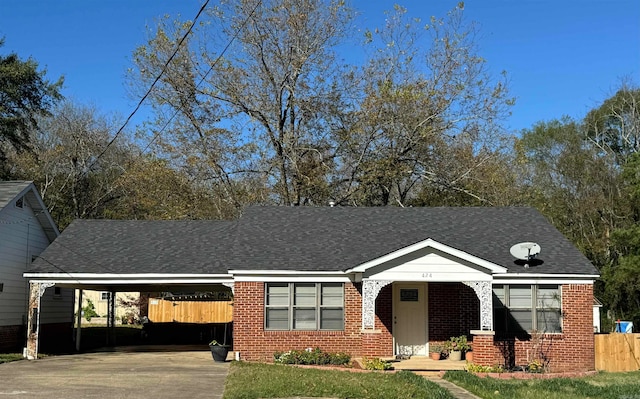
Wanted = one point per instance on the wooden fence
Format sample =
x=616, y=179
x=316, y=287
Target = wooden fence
x=163, y=311
x=617, y=352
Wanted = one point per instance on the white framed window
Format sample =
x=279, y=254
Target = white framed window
x=104, y=296
x=522, y=307
x=304, y=306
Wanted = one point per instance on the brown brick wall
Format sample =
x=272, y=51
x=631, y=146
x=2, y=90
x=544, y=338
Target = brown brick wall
x=12, y=339
x=454, y=309
x=256, y=344
x=573, y=350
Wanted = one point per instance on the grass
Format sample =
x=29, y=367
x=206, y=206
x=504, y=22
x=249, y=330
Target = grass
x=10, y=357
x=254, y=380
x=601, y=386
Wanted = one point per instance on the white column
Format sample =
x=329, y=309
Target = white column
x=36, y=290
x=370, y=291
x=485, y=294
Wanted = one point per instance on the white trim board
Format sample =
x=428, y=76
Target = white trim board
x=491, y=267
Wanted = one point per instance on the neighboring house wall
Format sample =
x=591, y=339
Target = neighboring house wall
x=100, y=302
x=21, y=238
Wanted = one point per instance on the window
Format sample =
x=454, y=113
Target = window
x=20, y=202
x=57, y=292
x=104, y=296
x=304, y=306
x=520, y=308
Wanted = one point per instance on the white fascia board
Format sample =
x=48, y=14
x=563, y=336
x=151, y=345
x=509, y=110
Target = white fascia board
x=291, y=276
x=123, y=275
x=294, y=279
x=132, y=281
x=540, y=278
x=492, y=267
x=279, y=272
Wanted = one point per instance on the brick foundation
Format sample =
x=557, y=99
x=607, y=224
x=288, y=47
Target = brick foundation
x=12, y=339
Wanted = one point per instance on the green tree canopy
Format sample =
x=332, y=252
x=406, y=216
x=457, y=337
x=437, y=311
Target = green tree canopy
x=25, y=94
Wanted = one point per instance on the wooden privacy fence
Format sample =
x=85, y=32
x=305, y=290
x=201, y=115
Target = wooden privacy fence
x=617, y=352
x=163, y=311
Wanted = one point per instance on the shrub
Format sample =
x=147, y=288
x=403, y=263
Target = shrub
x=376, y=364
x=312, y=357
x=477, y=368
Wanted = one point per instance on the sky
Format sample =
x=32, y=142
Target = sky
x=562, y=57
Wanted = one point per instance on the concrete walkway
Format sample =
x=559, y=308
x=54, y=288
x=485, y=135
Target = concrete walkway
x=456, y=391
x=116, y=375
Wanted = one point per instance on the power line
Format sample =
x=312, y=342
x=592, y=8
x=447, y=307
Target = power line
x=162, y=72
x=215, y=62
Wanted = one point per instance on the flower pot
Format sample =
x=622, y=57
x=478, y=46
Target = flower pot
x=219, y=352
x=468, y=356
x=455, y=355
x=435, y=355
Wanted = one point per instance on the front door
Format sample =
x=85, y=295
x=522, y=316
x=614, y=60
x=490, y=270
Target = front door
x=410, y=318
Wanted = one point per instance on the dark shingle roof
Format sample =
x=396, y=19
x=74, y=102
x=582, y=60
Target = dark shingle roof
x=306, y=239
x=339, y=238
x=9, y=190
x=138, y=246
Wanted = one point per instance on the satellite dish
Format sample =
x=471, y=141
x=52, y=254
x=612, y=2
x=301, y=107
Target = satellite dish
x=525, y=251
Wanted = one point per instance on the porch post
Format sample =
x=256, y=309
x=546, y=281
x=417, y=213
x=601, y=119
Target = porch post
x=111, y=319
x=485, y=294
x=36, y=290
x=370, y=291
x=79, y=320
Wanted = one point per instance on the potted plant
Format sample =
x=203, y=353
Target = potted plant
x=435, y=351
x=457, y=345
x=218, y=351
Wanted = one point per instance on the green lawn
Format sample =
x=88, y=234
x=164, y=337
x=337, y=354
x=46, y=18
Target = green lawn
x=253, y=380
x=10, y=357
x=601, y=386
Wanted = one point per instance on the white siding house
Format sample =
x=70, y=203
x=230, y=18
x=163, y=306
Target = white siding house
x=26, y=229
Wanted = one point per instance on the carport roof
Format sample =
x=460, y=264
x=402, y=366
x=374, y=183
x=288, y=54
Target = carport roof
x=306, y=239
x=138, y=246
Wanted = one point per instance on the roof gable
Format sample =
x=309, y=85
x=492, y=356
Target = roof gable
x=427, y=257
x=11, y=191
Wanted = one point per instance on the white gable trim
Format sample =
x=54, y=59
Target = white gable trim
x=491, y=267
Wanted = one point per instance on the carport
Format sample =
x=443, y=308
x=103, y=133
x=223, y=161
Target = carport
x=120, y=256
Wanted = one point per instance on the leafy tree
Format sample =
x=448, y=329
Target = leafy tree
x=622, y=276
x=25, y=94
x=572, y=183
x=65, y=162
x=262, y=112
x=614, y=127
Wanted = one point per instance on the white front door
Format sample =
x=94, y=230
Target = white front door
x=410, y=318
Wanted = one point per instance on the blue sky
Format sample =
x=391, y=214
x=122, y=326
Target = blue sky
x=563, y=57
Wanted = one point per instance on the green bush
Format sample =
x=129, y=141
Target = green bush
x=312, y=357
x=477, y=368
x=376, y=364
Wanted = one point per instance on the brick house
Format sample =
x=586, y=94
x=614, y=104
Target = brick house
x=367, y=281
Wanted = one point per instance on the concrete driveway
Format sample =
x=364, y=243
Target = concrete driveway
x=116, y=375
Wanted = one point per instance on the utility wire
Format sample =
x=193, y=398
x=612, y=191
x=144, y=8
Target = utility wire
x=162, y=72
x=215, y=62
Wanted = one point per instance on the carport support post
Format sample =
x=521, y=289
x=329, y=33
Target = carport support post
x=36, y=290
x=111, y=319
x=79, y=321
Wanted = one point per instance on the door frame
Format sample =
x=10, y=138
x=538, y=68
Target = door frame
x=396, y=286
